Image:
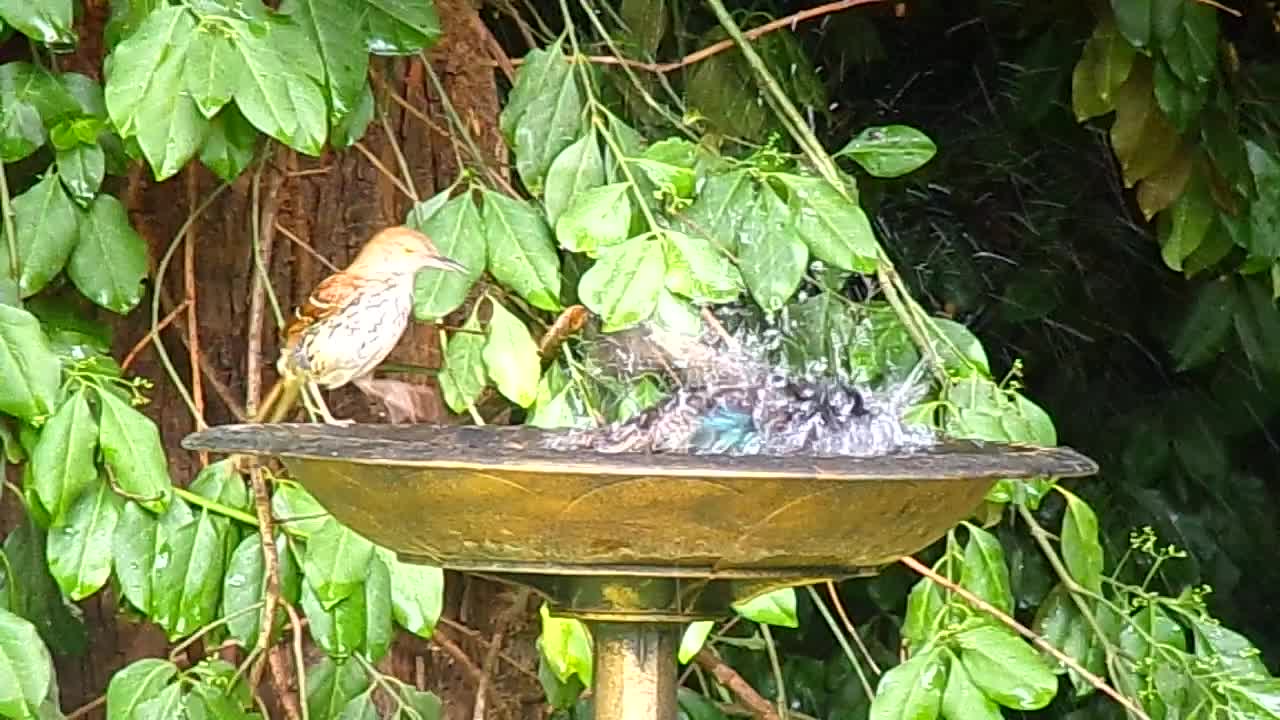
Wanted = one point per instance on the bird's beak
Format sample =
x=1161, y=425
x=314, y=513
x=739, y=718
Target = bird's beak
x=440, y=262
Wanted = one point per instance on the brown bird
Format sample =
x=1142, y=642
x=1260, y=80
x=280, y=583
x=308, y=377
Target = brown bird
x=351, y=322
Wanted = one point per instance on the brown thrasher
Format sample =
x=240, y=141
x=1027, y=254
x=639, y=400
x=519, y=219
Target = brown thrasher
x=351, y=322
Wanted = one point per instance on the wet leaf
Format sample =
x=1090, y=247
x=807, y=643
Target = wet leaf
x=277, y=96
x=63, y=459
x=187, y=577
x=344, y=55
x=890, y=151
x=463, y=377
x=912, y=690
x=32, y=372
x=244, y=585
x=458, y=233
x=1163, y=187
x=81, y=170
x=924, y=607
x=543, y=115
x=1080, y=547
x=134, y=547
x=26, y=668
x=293, y=506
x=1103, y=67
x=772, y=255
x=337, y=562
x=1192, y=49
x=136, y=683
x=511, y=357
x=109, y=262
x=351, y=127
x=360, y=707
x=1141, y=136
x=985, y=572
x=1154, y=623
x=836, y=230
x=331, y=685
x=962, y=700
x=229, y=145
x=1133, y=18
x=1255, y=698
x=417, y=594
x=1239, y=656
x=694, y=637
x=595, y=219
x=622, y=287
x=46, y=222
x=212, y=69
x=1006, y=668
x=133, y=452
x=1180, y=102
x=80, y=544
x=577, y=169
x=359, y=622
x=1202, y=335
x=1264, y=212
x=401, y=27
x=772, y=608
x=697, y=270
x=566, y=645
x=46, y=21
x=1183, y=228
x=522, y=254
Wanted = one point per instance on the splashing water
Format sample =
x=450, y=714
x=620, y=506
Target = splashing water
x=730, y=400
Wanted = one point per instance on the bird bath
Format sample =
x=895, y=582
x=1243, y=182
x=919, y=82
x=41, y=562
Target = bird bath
x=635, y=545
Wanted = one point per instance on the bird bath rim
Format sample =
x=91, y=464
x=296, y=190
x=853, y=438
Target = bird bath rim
x=421, y=446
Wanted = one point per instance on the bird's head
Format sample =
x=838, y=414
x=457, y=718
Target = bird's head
x=402, y=250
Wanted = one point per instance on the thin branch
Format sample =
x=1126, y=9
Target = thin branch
x=727, y=676
x=373, y=159
x=189, y=288
x=848, y=625
x=293, y=238
x=1024, y=631
x=142, y=344
x=715, y=48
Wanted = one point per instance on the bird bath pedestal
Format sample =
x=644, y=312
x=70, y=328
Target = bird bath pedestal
x=635, y=545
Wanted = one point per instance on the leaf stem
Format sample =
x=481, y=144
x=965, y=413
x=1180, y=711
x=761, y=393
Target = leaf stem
x=844, y=643
x=215, y=506
x=10, y=234
x=777, y=670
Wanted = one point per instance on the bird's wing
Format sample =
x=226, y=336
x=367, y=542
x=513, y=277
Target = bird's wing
x=327, y=299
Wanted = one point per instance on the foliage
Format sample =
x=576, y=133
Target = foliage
x=640, y=220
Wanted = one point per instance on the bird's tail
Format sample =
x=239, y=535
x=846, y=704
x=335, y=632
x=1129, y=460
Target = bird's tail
x=279, y=401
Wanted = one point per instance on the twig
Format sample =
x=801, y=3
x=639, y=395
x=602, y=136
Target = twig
x=399, y=154
x=383, y=169
x=715, y=48
x=772, y=650
x=264, y=234
x=141, y=345
x=10, y=235
x=1022, y=630
x=271, y=571
x=219, y=388
x=193, y=332
x=294, y=708
x=848, y=625
x=476, y=634
x=730, y=678
x=459, y=655
x=87, y=708
x=293, y=238
x=482, y=688
x=844, y=644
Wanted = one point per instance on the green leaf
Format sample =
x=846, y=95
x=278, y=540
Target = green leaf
x=1154, y=623
x=359, y=622
x=187, y=577
x=26, y=668
x=1103, y=67
x=21, y=132
x=1133, y=18
x=229, y=145
x=32, y=374
x=27, y=84
x=511, y=357
x=595, y=219
x=63, y=459
x=80, y=545
x=163, y=706
x=463, y=378
x=46, y=222
x=772, y=608
x=577, y=169
x=133, y=452
x=1006, y=669
x=543, y=115
x=81, y=170
x=1181, y=103
x=924, y=607
x=622, y=287
x=1264, y=212
x=522, y=254
x=417, y=594
x=134, y=547
x=40, y=601
x=328, y=24
x=144, y=91
x=420, y=705
x=337, y=561
x=694, y=637
x=1202, y=335
x=212, y=70
x=47, y=21
x=1192, y=49
x=242, y=587
x=912, y=690
x=136, y=683
x=1254, y=698
x=1257, y=324
x=772, y=255
x=360, y=707
x=400, y=27
x=890, y=151
x=985, y=572
x=717, y=212
x=698, y=270
x=109, y=263
x=293, y=506
x=566, y=645
x=962, y=700
x=330, y=686
x=458, y=233
x=836, y=231
x=1238, y=656
x=276, y=96
x=1080, y=547
x=351, y=127
x=222, y=483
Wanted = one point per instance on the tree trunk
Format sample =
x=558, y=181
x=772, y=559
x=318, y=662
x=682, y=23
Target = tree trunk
x=331, y=205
